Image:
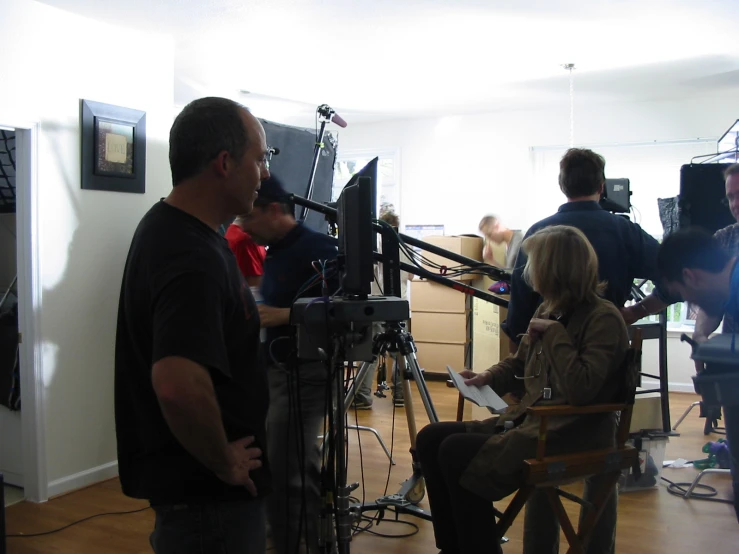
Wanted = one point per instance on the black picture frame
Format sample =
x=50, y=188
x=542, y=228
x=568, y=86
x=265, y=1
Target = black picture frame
x=113, y=148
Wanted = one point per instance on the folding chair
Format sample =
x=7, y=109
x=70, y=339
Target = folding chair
x=551, y=472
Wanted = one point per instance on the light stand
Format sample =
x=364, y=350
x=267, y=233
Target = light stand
x=325, y=115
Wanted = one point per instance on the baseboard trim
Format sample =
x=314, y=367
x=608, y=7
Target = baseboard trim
x=83, y=479
x=671, y=386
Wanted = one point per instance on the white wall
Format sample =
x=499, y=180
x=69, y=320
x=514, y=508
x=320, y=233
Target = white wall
x=53, y=61
x=455, y=169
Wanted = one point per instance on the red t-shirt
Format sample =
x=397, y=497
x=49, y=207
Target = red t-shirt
x=249, y=255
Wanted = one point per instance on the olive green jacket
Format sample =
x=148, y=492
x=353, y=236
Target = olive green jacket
x=581, y=364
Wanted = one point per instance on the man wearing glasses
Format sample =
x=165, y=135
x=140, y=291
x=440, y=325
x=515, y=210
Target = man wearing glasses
x=728, y=239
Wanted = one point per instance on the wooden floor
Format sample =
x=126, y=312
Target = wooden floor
x=650, y=521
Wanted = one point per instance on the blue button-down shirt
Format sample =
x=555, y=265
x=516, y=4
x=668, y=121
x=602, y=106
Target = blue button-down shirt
x=625, y=252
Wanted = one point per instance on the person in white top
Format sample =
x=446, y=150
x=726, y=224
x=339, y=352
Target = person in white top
x=363, y=397
x=495, y=233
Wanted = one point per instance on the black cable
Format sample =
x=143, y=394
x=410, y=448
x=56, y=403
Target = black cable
x=677, y=489
x=419, y=260
x=368, y=529
x=28, y=535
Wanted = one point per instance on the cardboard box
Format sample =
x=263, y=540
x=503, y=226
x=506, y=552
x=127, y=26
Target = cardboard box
x=489, y=343
x=434, y=357
x=432, y=297
x=470, y=247
x=647, y=412
x=441, y=328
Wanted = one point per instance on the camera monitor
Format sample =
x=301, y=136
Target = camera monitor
x=616, y=196
x=355, y=217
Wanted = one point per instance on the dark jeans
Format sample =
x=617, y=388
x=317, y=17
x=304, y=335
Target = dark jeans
x=217, y=528
x=293, y=446
x=464, y=523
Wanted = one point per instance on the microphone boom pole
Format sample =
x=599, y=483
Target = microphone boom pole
x=326, y=114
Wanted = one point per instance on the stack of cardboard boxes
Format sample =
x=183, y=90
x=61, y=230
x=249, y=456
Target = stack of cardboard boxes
x=451, y=328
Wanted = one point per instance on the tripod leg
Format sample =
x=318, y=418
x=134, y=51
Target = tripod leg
x=412, y=361
x=358, y=378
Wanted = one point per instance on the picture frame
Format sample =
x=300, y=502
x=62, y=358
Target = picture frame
x=113, y=148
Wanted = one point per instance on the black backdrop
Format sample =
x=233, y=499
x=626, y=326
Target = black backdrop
x=293, y=165
x=702, y=188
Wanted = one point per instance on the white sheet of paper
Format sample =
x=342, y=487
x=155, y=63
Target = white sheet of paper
x=484, y=397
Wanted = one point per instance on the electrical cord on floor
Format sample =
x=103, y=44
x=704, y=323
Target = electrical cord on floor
x=679, y=489
x=357, y=528
x=27, y=535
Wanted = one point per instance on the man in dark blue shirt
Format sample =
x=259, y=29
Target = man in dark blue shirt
x=625, y=252
x=295, y=255
x=697, y=269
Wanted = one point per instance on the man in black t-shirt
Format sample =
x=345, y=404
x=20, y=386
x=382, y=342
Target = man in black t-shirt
x=297, y=390
x=191, y=393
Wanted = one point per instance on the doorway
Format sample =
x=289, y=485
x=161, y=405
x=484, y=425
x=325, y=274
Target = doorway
x=22, y=446
x=11, y=445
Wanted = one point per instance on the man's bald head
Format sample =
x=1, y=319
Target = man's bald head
x=203, y=129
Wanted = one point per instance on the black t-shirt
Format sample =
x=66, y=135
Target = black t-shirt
x=183, y=295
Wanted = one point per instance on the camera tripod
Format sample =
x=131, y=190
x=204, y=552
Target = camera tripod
x=336, y=538
x=396, y=341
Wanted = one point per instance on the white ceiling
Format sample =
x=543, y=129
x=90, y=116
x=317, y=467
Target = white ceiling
x=380, y=59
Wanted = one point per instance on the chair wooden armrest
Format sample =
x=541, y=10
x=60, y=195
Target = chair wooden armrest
x=564, y=468
x=543, y=411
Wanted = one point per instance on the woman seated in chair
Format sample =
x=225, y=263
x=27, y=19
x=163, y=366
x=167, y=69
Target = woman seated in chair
x=572, y=354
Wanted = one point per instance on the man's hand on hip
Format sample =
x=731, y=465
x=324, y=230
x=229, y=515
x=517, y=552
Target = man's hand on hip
x=241, y=460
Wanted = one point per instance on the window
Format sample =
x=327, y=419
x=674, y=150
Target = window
x=388, y=190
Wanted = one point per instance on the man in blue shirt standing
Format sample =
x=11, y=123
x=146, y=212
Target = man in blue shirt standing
x=625, y=252
x=297, y=388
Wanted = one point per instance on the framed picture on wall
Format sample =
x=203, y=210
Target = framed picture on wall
x=113, y=148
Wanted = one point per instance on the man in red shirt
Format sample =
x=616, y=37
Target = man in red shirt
x=249, y=255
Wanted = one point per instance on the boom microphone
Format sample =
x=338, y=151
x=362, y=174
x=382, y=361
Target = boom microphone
x=336, y=118
x=328, y=112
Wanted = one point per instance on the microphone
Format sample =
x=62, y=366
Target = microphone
x=326, y=111
x=336, y=118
